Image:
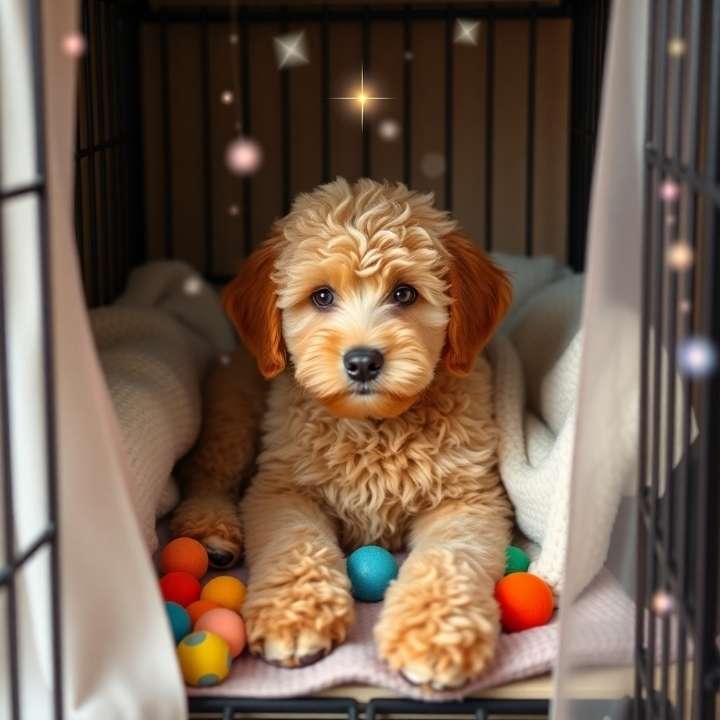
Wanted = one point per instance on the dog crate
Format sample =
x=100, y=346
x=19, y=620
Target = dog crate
x=504, y=135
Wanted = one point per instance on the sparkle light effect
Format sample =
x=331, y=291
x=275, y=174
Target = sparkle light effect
x=669, y=191
x=466, y=31
x=233, y=38
x=433, y=165
x=233, y=210
x=680, y=256
x=662, y=603
x=362, y=98
x=389, y=129
x=291, y=50
x=677, y=47
x=227, y=97
x=243, y=156
x=697, y=357
x=74, y=44
x=193, y=285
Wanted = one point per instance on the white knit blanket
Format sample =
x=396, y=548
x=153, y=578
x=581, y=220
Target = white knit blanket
x=536, y=361
x=155, y=344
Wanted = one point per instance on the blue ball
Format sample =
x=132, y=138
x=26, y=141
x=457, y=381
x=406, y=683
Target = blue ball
x=371, y=569
x=179, y=620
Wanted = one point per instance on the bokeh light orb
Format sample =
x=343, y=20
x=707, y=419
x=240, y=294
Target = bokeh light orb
x=677, y=47
x=432, y=165
x=243, y=156
x=669, y=191
x=662, y=603
x=680, y=256
x=193, y=285
x=389, y=129
x=233, y=210
x=74, y=44
x=227, y=97
x=697, y=357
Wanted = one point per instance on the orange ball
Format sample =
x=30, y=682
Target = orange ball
x=197, y=609
x=184, y=554
x=180, y=587
x=225, y=590
x=525, y=600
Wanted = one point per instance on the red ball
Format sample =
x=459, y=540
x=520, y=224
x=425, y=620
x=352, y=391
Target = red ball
x=180, y=587
x=525, y=600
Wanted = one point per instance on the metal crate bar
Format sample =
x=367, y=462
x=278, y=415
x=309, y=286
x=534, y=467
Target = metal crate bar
x=449, y=107
x=229, y=706
x=49, y=429
x=489, y=122
x=530, y=137
x=478, y=708
x=7, y=572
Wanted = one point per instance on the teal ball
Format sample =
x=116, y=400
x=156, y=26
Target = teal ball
x=179, y=620
x=371, y=569
x=516, y=560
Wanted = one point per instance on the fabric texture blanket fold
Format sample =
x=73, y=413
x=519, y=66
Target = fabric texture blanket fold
x=155, y=345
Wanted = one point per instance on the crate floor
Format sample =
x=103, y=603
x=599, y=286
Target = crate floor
x=605, y=613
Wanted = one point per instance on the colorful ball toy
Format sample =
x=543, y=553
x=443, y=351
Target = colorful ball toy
x=180, y=587
x=179, y=620
x=525, y=600
x=371, y=569
x=225, y=590
x=198, y=608
x=516, y=560
x=204, y=659
x=228, y=625
x=184, y=554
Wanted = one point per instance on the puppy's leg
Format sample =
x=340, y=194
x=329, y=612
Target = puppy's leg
x=212, y=473
x=440, y=621
x=298, y=604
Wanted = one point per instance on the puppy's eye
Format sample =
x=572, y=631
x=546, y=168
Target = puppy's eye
x=323, y=297
x=404, y=295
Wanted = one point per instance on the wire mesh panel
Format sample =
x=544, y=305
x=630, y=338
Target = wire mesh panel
x=494, y=120
x=25, y=253
x=677, y=618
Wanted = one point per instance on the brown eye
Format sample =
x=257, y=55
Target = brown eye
x=323, y=298
x=404, y=295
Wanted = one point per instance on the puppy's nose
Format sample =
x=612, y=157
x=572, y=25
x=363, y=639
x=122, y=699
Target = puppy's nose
x=363, y=364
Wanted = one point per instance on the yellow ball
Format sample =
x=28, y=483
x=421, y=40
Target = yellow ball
x=226, y=591
x=204, y=659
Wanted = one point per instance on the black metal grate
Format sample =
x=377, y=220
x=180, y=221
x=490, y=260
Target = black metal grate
x=109, y=170
x=15, y=558
x=678, y=528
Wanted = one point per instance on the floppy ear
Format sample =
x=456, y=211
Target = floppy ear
x=250, y=302
x=481, y=294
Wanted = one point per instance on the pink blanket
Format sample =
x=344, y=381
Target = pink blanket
x=604, y=611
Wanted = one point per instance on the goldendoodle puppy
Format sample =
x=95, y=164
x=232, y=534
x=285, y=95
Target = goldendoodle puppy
x=369, y=308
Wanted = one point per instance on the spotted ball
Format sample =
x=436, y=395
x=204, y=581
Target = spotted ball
x=180, y=587
x=179, y=620
x=371, y=569
x=225, y=590
x=228, y=625
x=204, y=659
x=184, y=554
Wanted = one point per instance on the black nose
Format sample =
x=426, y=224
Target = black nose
x=363, y=364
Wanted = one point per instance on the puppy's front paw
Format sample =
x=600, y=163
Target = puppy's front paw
x=215, y=521
x=296, y=613
x=440, y=623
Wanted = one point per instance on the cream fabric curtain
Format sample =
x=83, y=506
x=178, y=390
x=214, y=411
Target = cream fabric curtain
x=611, y=351
x=118, y=652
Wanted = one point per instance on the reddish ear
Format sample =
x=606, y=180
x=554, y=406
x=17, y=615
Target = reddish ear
x=250, y=302
x=481, y=295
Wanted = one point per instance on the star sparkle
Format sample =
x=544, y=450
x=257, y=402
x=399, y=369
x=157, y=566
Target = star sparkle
x=291, y=50
x=466, y=31
x=362, y=98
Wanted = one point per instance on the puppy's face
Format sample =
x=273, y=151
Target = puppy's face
x=366, y=289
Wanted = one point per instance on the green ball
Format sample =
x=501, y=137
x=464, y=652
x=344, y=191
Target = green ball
x=517, y=560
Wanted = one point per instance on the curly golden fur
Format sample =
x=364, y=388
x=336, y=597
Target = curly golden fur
x=408, y=458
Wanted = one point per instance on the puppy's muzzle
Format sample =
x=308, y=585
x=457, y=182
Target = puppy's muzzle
x=363, y=364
